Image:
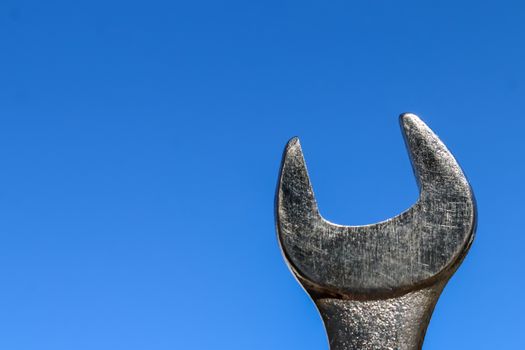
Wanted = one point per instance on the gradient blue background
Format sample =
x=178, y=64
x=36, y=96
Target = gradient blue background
x=140, y=144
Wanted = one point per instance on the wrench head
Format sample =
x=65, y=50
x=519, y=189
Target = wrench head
x=419, y=247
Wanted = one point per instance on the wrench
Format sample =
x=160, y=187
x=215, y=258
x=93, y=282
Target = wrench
x=376, y=285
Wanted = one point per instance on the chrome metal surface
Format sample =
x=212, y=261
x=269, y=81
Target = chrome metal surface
x=376, y=285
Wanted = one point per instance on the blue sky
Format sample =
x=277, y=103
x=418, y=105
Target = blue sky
x=140, y=144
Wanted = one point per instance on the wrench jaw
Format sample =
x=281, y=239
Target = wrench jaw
x=376, y=285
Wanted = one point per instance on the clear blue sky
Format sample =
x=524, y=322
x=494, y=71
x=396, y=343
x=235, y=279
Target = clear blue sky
x=140, y=144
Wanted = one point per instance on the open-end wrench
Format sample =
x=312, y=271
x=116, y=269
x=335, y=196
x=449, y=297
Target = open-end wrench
x=376, y=285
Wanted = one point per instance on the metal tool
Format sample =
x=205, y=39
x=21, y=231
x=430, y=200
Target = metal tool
x=376, y=285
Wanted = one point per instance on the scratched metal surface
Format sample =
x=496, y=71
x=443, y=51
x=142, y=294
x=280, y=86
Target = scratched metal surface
x=398, y=264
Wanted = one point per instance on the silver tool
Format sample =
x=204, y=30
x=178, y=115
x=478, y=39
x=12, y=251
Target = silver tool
x=376, y=285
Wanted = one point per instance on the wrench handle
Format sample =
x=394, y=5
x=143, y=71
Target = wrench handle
x=397, y=323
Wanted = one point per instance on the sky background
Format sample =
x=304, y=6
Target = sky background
x=140, y=144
